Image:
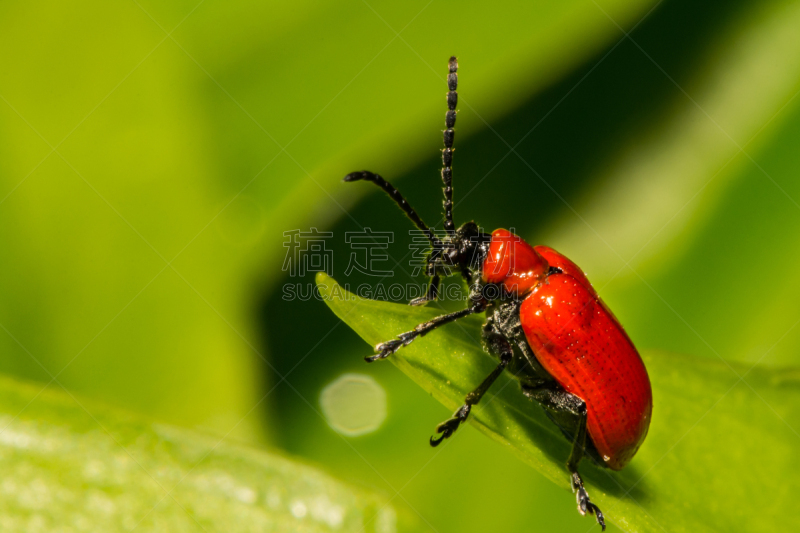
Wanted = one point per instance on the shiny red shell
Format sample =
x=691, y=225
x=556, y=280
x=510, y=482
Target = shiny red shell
x=512, y=263
x=579, y=342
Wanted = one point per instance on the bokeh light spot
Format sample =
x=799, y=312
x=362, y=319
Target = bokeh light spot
x=354, y=404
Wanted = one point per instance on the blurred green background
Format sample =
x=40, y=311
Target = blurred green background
x=152, y=157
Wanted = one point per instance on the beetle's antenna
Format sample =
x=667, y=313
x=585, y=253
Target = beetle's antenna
x=447, y=153
x=395, y=195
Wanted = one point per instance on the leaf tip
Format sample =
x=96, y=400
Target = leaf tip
x=322, y=279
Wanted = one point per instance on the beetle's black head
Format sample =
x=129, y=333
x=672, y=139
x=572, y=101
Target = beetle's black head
x=462, y=252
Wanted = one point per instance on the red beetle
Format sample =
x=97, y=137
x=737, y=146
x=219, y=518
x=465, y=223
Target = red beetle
x=545, y=323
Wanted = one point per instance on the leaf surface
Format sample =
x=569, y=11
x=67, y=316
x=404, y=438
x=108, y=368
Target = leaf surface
x=70, y=465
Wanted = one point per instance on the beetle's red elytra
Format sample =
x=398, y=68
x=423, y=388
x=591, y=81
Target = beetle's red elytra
x=578, y=341
x=544, y=322
x=583, y=346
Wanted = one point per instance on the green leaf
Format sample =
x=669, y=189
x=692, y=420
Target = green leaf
x=72, y=465
x=720, y=454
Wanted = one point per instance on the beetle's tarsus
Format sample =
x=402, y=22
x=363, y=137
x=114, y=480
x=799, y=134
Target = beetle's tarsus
x=446, y=428
x=585, y=505
x=445, y=435
x=385, y=349
x=449, y=426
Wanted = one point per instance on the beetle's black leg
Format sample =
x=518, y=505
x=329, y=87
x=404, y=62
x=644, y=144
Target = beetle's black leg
x=385, y=349
x=578, y=447
x=498, y=345
x=433, y=291
x=555, y=398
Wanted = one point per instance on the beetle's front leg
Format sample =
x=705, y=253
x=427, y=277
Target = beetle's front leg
x=552, y=396
x=477, y=305
x=385, y=349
